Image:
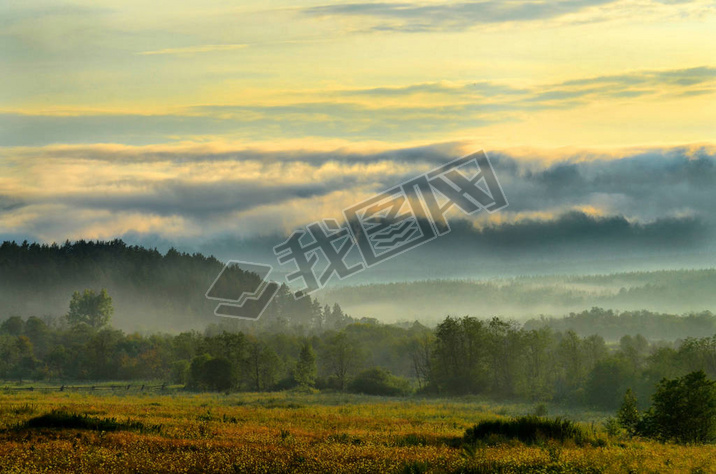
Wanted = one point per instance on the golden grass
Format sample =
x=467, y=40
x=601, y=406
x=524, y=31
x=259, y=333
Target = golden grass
x=286, y=432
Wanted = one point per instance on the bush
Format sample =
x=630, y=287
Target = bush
x=540, y=410
x=528, y=429
x=59, y=419
x=683, y=410
x=180, y=372
x=378, y=381
x=628, y=415
x=208, y=373
x=606, y=383
x=219, y=374
x=613, y=427
x=411, y=439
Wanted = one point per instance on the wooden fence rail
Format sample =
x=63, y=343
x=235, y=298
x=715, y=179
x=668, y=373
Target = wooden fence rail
x=93, y=388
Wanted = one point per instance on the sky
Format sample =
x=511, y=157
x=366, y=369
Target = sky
x=211, y=126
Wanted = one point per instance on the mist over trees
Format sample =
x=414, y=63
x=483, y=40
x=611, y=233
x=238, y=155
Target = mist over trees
x=159, y=292
x=150, y=291
x=588, y=358
x=90, y=308
x=612, y=325
x=530, y=297
x=497, y=358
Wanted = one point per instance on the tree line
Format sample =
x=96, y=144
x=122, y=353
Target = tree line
x=495, y=358
x=503, y=359
x=155, y=292
x=674, y=292
x=612, y=325
x=151, y=290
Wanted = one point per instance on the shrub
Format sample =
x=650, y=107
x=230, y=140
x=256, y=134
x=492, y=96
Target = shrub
x=219, y=374
x=606, y=383
x=59, y=419
x=683, y=410
x=613, y=427
x=411, y=439
x=628, y=415
x=196, y=372
x=207, y=373
x=305, y=371
x=528, y=429
x=540, y=410
x=378, y=381
x=180, y=372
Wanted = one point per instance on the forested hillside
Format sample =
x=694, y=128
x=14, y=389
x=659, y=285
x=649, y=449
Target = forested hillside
x=522, y=298
x=589, y=357
x=150, y=291
x=613, y=325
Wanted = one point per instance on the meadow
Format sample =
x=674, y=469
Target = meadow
x=301, y=432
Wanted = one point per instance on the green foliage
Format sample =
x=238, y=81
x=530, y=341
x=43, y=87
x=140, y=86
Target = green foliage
x=305, y=372
x=543, y=361
x=613, y=325
x=606, y=382
x=683, y=410
x=460, y=356
x=196, y=372
x=211, y=373
x=411, y=439
x=501, y=359
x=341, y=357
x=180, y=372
x=527, y=429
x=60, y=419
x=154, y=289
x=218, y=374
x=91, y=308
x=613, y=428
x=494, y=358
x=262, y=366
x=540, y=410
x=378, y=381
x=628, y=415
x=14, y=326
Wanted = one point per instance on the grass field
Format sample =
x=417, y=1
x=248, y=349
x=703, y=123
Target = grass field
x=290, y=432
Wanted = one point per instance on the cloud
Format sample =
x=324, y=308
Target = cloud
x=483, y=88
x=415, y=17
x=676, y=77
x=201, y=201
x=572, y=236
x=494, y=94
x=55, y=190
x=404, y=113
x=208, y=48
x=256, y=123
x=453, y=16
x=8, y=203
x=642, y=186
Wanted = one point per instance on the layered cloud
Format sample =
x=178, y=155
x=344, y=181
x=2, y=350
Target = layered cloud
x=538, y=73
x=455, y=16
x=391, y=114
x=212, y=127
x=200, y=198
